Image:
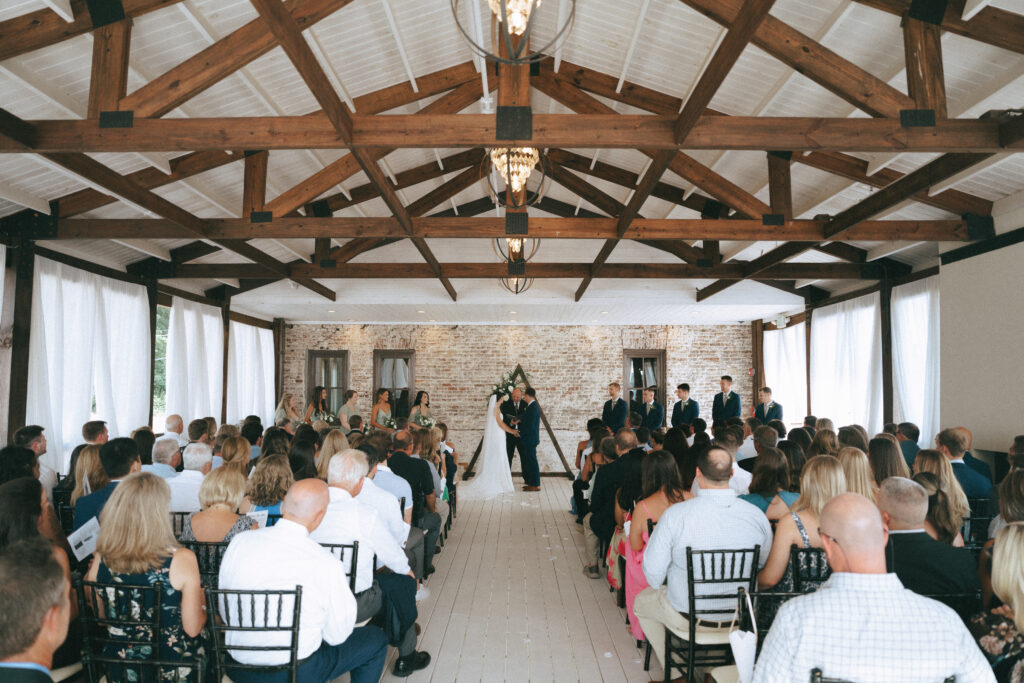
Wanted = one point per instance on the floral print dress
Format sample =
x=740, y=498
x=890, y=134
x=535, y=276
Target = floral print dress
x=1002, y=644
x=175, y=644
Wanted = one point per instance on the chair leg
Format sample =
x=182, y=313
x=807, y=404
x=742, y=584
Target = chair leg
x=647, y=656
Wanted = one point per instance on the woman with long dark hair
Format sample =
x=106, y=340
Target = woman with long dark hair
x=420, y=413
x=317, y=404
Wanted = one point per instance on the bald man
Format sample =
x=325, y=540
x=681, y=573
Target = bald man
x=862, y=624
x=281, y=557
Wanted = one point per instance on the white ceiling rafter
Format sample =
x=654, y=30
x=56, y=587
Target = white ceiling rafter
x=23, y=198
x=147, y=247
x=401, y=45
x=62, y=9
x=632, y=44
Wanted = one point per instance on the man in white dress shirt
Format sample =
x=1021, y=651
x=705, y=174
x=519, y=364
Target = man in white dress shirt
x=174, y=427
x=862, y=624
x=349, y=520
x=716, y=518
x=329, y=643
x=198, y=460
x=166, y=457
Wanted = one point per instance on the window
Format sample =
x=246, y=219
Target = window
x=395, y=371
x=327, y=369
x=643, y=368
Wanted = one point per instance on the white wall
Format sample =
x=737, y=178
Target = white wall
x=982, y=346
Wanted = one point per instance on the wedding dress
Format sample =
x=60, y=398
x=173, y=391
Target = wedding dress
x=492, y=476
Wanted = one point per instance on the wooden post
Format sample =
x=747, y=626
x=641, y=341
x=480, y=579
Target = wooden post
x=225, y=311
x=922, y=46
x=757, y=359
x=885, y=310
x=151, y=290
x=780, y=185
x=109, y=81
x=24, y=268
x=279, y=340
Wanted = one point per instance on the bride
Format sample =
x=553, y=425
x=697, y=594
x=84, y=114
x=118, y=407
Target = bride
x=493, y=476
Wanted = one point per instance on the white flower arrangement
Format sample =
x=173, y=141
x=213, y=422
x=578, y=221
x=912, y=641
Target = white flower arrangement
x=324, y=415
x=387, y=421
x=425, y=421
x=505, y=384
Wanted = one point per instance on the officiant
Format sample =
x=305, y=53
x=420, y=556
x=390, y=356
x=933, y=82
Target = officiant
x=512, y=410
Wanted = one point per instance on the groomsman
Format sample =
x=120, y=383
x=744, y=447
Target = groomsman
x=767, y=410
x=615, y=409
x=727, y=403
x=686, y=410
x=653, y=413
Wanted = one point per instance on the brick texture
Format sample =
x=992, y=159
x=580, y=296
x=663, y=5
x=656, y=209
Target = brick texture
x=570, y=366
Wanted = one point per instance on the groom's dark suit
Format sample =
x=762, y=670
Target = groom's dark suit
x=529, y=437
x=511, y=412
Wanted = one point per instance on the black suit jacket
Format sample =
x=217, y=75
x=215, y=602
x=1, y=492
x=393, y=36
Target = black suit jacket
x=928, y=567
x=10, y=674
x=602, y=500
x=510, y=413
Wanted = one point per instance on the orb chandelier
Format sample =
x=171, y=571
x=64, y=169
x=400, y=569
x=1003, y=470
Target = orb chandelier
x=516, y=284
x=515, y=166
x=515, y=249
x=512, y=24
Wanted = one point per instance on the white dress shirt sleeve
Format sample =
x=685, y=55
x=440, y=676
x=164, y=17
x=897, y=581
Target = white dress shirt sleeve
x=388, y=551
x=658, y=553
x=339, y=603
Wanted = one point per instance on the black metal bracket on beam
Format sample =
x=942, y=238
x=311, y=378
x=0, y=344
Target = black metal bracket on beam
x=713, y=210
x=329, y=263
x=979, y=227
x=153, y=269
x=261, y=216
x=321, y=209
x=103, y=12
x=28, y=225
x=872, y=271
x=252, y=152
x=773, y=219
x=514, y=123
x=917, y=118
x=517, y=268
x=705, y=263
x=786, y=156
x=517, y=224
x=930, y=11
x=117, y=119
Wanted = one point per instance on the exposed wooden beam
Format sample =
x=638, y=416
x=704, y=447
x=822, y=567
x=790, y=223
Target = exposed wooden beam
x=446, y=190
x=549, y=130
x=761, y=264
x=922, y=47
x=16, y=132
x=108, y=82
x=254, y=182
x=780, y=184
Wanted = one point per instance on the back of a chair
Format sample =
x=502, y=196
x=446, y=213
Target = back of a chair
x=758, y=624
x=975, y=527
x=178, y=522
x=714, y=576
x=340, y=550
x=208, y=555
x=274, y=615
x=818, y=677
x=810, y=568
x=650, y=527
x=401, y=506
x=62, y=507
x=964, y=604
x=273, y=519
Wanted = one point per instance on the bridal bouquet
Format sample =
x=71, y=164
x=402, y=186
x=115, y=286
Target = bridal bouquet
x=425, y=421
x=387, y=421
x=324, y=415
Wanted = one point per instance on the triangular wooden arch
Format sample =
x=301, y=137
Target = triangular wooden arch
x=520, y=375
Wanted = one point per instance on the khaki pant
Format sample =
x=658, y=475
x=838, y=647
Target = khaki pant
x=593, y=543
x=655, y=613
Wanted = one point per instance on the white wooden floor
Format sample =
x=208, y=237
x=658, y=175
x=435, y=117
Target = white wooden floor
x=509, y=601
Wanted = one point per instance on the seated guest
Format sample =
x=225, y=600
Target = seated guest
x=348, y=520
x=197, y=432
x=908, y=434
x=424, y=503
x=923, y=564
x=810, y=422
x=235, y=453
x=850, y=436
x=275, y=442
x=770, y=481
x=1011, y=501
x=385, y=479
x=211, y=428
x=144, y=438
x=952, y=444
x=886, y=460
x=136, y=547
x=715, y=519
x=862, y=624
x=302, y=457
x=763, y=437
x=25, y=512
x=174, y=427
x=599, y=524
x=334, y=442
x=767, y=410
x=999, y=631
x=662, y=488
x=976, y=464
x=166, y=458
x=746, y=449
x=941, y=523
x=252, y=431
x=643, y=439
x=699, y=426
x=89, y=475
x=822, y=480
x=729, y=438
x=32, y=438
x=266, y=488
x=356, y=422
x=824, y=442
x=795, y=456
x=17, y=462
x=328, y=643
x=35, y=594
x=825, y=423
x=857, y=468
x=198, y=459
x=933, y=461
x=220, y=495
x=119, y=457
x=780, y=428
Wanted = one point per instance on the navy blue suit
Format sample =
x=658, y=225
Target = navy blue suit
x=910, y=449
x=979, y=466
x=774, y=413
x=725, y=409
x=653, y=416
x=529, y=437
x=973, y=484
x=90, y=506
x=614, y=414
x=685, y=415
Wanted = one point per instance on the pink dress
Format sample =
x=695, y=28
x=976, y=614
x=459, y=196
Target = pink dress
x=635, y=579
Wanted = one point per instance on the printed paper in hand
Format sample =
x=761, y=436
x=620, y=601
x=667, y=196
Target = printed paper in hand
x=260, y=516
x=83, y=541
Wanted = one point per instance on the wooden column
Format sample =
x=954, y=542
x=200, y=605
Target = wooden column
x=110, y=51
x=885, y=310
x=807, y=346
x=757, y=356
x=225, y=311
x=254, y=182
x=780, y=186
x=24, y=268
x=922, y=46
x=279, y=340
x=151, y=291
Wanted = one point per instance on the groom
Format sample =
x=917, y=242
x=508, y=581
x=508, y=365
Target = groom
x=529, y=437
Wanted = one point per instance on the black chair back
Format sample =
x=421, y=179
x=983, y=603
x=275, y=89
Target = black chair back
x=401, y=505
x=121, y=635
x=339, y=550
x=714, y=577
x=249, y=612
x=273, y=519
x=818, y=677
x=209, y=556
x=178, y=522
x=650, y=527
x=964, y=604
x=62, y=507
x=810, y=568
x=757, y=600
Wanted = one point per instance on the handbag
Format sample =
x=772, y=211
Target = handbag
x=744, y=646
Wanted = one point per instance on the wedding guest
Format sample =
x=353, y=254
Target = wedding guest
x=211, y=428
x=583, y=487
x=266, y=488
x=999, y=631
x=334, y=442
x=979, y=466
x=780, y=428
x=824, y=442
x=615, y=410
x=936, y=462
x=767, y=409
x=908, y=434
x=90, y=475
x=424, y=503
x=599, y=524
x=825, y=423
x=795, y=457
x=166, y=458
x=810, y=422
x=941, y=522
x=686, y=410
x=381, y=411
x=174, y=427
x=119, y=457
x=252, y=432
x=25, y=512
x=144, y=439
x=886, y=460
x=770, y=481
x=729, y=438
x=356, y=423
x=197, y=432
x=727, y=403
x=220, y=496
x=32, y=438
x=801, y=437
x=852, y=437
x=198, y=460
x=235, y=453
x=861, y=624
x=286, y=409
x=317, y=404
x=302, y=458
x=763, y=437
x=699, y=426
x=275, y=442
x=348, y=410
x=953, y=444
x=137, y=547
x=857, y=468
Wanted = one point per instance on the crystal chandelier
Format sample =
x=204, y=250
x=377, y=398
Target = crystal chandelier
x=518, y=12
x=515, y=164
x=512, y=24
x=516, y=285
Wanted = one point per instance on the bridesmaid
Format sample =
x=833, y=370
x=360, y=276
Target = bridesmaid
x=381, y=410
x=348, y=409
x=286, y=409
x=317, y=403
x=421, y=408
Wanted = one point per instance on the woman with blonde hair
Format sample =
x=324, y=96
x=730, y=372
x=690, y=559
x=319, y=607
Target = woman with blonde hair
x=268, y=485
x=235, y=454
x=89, y=473
x=940, y=522
x=136, y=547
x=218, y=521
x=822, y=480
x=286, y=409
x=335, y=442
x=825, y=442
x=857, y=469
x=423, y=446
x=931, y=460
x=999, y=631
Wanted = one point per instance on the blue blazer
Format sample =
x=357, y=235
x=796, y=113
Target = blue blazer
x=725, y=409
x=655, y=418
x=979, y=466
x=90, y=506
x=685, y=415
x=973, y=484
x=774, y=413
x=614, y=414
x=529, y=425
x=910, y=449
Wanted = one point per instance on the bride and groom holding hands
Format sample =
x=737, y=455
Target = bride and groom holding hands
x=519, y=418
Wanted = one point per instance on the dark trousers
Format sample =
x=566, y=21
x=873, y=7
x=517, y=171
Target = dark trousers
x=431, y=526
x=369, y=604
x=362, y=654
x=531, y=470
x=511, y=444
x=582, y=505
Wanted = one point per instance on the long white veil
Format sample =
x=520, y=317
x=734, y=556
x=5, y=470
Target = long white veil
x=492, y=476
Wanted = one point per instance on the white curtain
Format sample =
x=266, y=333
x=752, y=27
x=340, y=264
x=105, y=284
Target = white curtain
x=90, y=338
x=846, y=363
x=915, y=356
x=250, y=373
x=195, y=360
x=785, y=370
